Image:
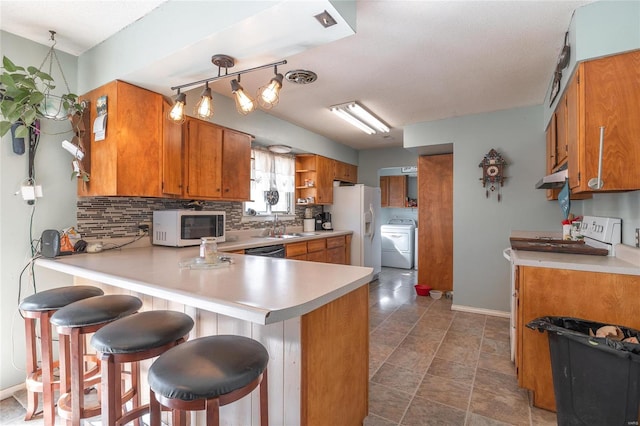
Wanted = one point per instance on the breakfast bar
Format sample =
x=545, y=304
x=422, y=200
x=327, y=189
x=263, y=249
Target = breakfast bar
x=311, y=317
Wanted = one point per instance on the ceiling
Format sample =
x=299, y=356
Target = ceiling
x=408, y=62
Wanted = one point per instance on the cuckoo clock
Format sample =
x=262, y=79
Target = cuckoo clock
x=492, y=172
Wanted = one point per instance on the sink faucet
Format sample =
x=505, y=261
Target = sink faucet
x=275, y=231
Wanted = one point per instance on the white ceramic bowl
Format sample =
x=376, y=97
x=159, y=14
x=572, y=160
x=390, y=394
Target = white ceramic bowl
x=435, y=294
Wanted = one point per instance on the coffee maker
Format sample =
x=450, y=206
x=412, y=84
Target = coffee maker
x=323, y=221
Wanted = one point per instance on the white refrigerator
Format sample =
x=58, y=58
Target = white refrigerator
x=357, y=208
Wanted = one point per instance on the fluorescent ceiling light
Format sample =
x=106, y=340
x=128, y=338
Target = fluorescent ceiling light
x=356, y=115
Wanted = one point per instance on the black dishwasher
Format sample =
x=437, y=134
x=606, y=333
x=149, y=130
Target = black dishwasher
x=267, y=251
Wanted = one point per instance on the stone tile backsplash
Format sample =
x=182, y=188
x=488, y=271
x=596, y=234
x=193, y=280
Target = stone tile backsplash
x=117, y=217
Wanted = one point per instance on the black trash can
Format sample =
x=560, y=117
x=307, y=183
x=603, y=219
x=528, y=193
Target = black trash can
x=596, y=380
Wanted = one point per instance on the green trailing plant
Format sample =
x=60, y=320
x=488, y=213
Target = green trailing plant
x=25, y=96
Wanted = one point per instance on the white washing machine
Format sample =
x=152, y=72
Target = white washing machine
x=398, y=240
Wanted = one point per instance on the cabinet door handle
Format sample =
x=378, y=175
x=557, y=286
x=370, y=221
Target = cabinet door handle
x=597, y=183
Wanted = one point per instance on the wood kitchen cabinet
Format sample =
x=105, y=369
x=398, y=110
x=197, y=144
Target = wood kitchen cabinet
x=336, y=250
x=326, y=250
x=317, y=250
x=345, y=172
x=604, y=93
x=314, y=179
x=393, y=191
x=595, y=296
x=557, y=140
x=206, y=161
x=128, y=162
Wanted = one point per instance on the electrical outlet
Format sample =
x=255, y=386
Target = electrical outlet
x=637, y=237
x=143, y=229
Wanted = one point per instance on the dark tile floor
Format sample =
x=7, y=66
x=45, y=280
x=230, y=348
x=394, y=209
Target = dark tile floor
x=428, y=365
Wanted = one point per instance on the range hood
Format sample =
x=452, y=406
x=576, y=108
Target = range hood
x=554, y=180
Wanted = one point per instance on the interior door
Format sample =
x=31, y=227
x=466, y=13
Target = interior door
x=435, y=221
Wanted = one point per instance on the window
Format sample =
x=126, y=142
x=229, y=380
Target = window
x=271, y=172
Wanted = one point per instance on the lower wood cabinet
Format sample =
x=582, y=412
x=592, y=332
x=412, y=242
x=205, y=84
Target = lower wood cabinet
x=336, y=250
x=600, y=297
x=325, y=250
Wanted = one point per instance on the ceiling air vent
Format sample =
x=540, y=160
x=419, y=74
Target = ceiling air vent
x=301, y=76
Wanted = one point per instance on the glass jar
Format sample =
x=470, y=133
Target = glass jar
x=209, y=249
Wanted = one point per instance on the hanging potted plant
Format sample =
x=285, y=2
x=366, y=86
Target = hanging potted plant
x=26, y=96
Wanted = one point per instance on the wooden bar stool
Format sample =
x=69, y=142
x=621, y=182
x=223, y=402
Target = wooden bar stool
x=129, y=340
x=36, y=311
x=73, y=323
x=207, y=373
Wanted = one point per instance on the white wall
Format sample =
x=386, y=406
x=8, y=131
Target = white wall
x=56, y=210
x=481, y=226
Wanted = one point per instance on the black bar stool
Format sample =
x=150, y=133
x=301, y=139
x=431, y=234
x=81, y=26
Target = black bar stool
x=129, y=340
x=207, y=373
x=73, y=323
x=37, y=310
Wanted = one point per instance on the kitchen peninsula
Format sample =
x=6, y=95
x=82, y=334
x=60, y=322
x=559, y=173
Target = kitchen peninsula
x=311, y=317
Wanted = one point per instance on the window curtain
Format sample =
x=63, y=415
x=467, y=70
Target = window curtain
x=271, y=171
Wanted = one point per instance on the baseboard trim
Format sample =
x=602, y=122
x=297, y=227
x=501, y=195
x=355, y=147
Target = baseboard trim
x=6, y=393
x=490, y=312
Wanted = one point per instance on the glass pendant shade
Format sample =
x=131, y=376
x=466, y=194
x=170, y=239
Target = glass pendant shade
x=176, y=114
x=244, y=103
x=204, y=107
x=269, y=95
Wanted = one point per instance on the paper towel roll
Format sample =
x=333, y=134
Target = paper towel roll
x=309, y=225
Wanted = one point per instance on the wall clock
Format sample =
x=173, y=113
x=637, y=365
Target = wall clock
x=492, y=172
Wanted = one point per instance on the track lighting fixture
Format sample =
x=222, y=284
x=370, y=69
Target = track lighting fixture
x=354, y=114
x=268, y=95
x=176, y=114
x=204, y=107
x=244, y=103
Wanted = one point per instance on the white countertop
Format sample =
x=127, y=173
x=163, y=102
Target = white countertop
x=626, y=261
x=262, y=290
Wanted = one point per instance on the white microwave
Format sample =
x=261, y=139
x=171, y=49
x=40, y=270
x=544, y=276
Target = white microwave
x=181, y=228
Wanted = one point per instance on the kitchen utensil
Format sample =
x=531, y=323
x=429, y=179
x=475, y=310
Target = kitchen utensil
x=308, y=213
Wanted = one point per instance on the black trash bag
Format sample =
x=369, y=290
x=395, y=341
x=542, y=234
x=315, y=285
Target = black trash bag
x=580, y=329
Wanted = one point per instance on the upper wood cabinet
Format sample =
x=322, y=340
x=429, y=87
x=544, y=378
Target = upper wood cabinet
x=206, y=161
x=345, y=172
x=562, y=124
x=604, y=93
x=314, y=179
x=393, y=191
x=128, y=162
